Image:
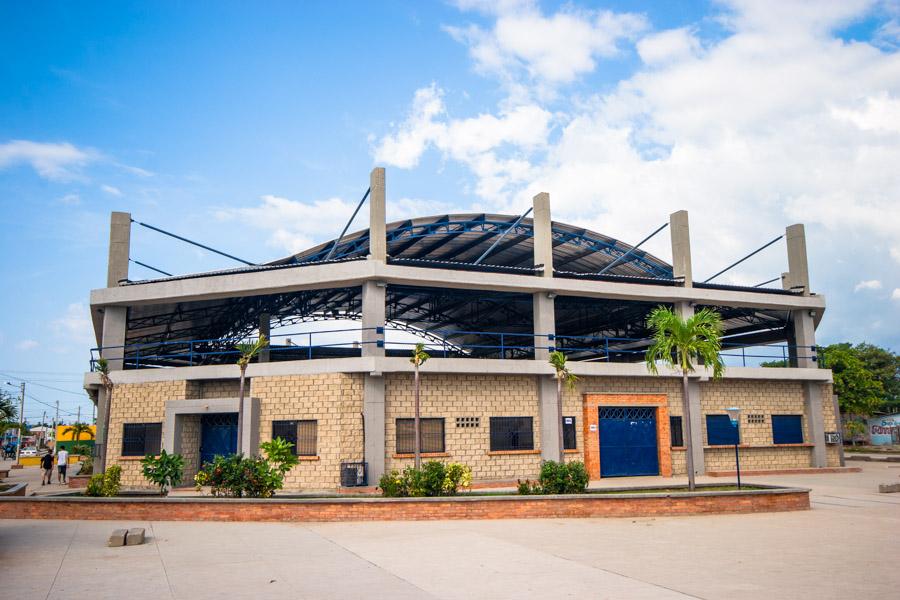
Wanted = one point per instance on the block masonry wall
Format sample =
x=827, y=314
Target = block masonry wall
x=335, y=401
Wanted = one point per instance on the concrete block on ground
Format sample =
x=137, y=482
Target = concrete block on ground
x=889, y=488
x=135, y=536
x=117, y=538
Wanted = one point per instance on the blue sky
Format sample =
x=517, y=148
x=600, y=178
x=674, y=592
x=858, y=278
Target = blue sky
x=253, y=129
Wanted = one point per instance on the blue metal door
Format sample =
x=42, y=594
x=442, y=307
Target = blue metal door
x=218, y=435
x=628, y=441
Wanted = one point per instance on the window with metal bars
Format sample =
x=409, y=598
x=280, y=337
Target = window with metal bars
x=676, y=431
x=141, y=439
x=569, y=438
x=302, y=434
x=512, y=433
x=431, y=435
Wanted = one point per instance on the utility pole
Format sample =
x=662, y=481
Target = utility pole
x=44, y=428
x=78, y=419
x=21, y=424
x=55, y=422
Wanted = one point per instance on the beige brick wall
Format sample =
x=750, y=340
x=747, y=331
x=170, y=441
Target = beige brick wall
x=451, y=396
x=138, y=403
x=190, y=446
x=722, y=459
x=335, y=401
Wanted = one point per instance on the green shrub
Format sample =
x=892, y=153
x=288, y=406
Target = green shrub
x=105, y=484
x=165, y=470
x=252, y=476
x=528, y=487
x=563, y=478
x=87, y=466
x=433, y=479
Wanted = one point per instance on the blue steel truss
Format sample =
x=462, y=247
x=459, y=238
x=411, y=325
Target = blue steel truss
x=407, y=232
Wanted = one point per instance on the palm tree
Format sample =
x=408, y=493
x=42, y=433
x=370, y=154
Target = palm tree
x=247, y=351
x=563, y=376
x=418, y=358
x=107, y=383
x=8, y=410
x=677, y=342
x=77, y=430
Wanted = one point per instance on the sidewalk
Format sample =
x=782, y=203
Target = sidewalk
x=32, y=476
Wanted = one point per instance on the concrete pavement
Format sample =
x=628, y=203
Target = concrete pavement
x=32, y=476
x=846, y=546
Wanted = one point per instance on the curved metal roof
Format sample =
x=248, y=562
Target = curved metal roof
x=459, y=239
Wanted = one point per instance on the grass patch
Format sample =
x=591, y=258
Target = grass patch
x=680, y=490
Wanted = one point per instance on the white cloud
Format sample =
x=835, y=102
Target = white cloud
x=895, y=253
x=70, y=200
x=668, y=46
x=869, y=284
x=895, y=295
x=26, y=345
x=53, y=161
x=112, y=191
x=551, y=49
x=75, y=326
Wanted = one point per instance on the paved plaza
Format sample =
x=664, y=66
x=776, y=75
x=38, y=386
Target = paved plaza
x=846, y=546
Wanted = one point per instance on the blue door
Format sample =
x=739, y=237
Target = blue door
x=628, y=441
x=218, y=435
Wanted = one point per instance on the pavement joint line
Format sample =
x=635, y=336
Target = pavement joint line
x=363, y=558
x=863, y=500
x=62, y=561
x=162, y=561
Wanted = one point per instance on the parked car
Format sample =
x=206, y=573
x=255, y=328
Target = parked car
x=28, y=452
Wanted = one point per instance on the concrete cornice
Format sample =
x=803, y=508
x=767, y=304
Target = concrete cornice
x=460, y=366
x=356, y=272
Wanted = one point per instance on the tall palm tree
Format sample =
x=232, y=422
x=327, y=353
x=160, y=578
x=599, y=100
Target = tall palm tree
x=563, y=376
x=247, y=351
x=107, y=383
x=418, y=358
x=8, y=410
x=676, y=343
x=77, y=430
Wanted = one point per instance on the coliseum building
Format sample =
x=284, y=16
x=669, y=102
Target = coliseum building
x=492, y=296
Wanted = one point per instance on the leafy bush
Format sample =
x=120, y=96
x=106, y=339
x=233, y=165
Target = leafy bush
x=251, y=476
x=563, y=478
x=165, y=470
x=87, y=466
x=105, y=484
x=81, y=449
x=528, y=487
x=433, y=479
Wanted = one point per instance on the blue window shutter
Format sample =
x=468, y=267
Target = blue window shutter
x=787, y=429
x=720, y=431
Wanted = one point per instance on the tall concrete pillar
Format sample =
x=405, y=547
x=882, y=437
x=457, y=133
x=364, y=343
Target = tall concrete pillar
x=374, y=429
x=373, y=316
x=544, y=325
x=798, y=266
x=115, y=321
x=696, y=426
x=815, y=422
x=543, y=237
x=119, y=245
x=377, y=233
x=804, y=339
x=679, y=230
x=546, y=389
x=265, y=329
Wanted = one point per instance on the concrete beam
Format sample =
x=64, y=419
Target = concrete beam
x=356, y=272
x=679, y=230
x=374, y=429
x=377, y=224
x=119, y=248
x=543, y=238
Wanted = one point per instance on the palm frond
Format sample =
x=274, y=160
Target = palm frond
x=419, y=356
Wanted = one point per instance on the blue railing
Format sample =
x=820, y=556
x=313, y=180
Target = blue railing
x=332, y=343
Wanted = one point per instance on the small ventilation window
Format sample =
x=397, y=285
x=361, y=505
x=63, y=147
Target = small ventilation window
x=756, y=419
x=468, y=421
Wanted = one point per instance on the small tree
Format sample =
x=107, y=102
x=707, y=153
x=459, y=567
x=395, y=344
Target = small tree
x=563, y=376
x=677, y=343
x=418, y=358
x=855, y=429
x=165, y=470
x=247, y=351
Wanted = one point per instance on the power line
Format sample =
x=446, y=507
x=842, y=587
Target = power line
x=49, y=387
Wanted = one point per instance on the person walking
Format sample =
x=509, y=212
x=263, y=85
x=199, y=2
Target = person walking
x=62, y=463
x=46, y=468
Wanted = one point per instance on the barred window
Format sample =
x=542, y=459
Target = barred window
x=677, y=433
x=141, y=439
x=720, y=431
x=302, y=434
x=512, y=433
x=431, y=435
x=569, y=437
x=787, y=429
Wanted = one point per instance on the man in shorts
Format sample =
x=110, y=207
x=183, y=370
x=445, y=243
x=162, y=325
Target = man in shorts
x=46, y=468
x=62, y=463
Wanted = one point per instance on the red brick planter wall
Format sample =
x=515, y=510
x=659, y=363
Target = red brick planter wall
x=406, y=509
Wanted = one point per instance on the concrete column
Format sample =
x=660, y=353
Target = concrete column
x=374, y=430
x=100, y=439
x=265, y=328
x=546, y=388
x=119, y=244
x=373, y=316
x=804, y=338
x=815, y=422
x=115, y=321
x=377, y=235
x=681, y=247
x=838, y=427
x=798, y=266
x=684, y=310
x=696, y=426
x=543, y=238
x=249, y=444
x=544, y=325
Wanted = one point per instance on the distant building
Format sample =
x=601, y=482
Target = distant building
x=884, y=431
